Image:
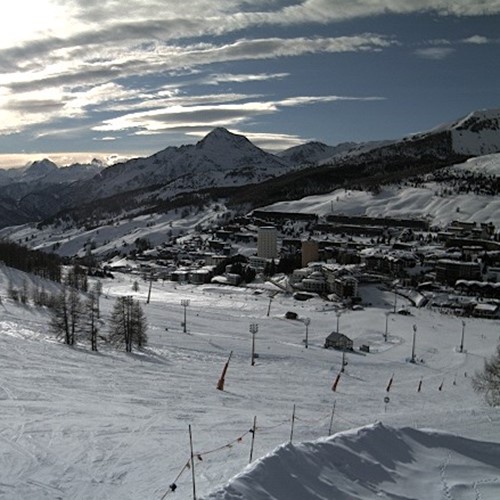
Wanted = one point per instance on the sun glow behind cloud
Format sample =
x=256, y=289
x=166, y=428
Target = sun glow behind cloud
x=25, y=20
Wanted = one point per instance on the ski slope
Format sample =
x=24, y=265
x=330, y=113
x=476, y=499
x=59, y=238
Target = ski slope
x=106, y=425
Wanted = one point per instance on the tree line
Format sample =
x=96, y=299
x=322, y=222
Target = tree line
x=42, y=264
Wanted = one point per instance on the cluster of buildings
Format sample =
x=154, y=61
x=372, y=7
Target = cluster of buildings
x=335, y=254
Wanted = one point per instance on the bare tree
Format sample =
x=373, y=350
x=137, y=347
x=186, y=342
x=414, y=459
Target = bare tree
x=66, y=315
x=76, y=277
x=97, y=290
x=487, y=381
x=139, y=325
x=91, y=321
x=12, y=291
x=23, y=294
x=128, y=324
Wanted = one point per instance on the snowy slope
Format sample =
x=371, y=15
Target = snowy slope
x=375, y=461
x=107, y=425
x=313, y=152
x=478, y=133
x=428, y=200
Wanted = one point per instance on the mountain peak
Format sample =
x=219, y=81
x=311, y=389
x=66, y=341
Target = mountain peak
x=41, y=167
x=220, y=131
x=221, y=135
x=477, y=133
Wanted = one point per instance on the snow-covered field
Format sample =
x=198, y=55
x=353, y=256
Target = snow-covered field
x=404, y=202
x=374, y=461
x=106, y=425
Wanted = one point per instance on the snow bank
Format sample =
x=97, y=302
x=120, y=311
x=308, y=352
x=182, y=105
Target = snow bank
x=372, y=461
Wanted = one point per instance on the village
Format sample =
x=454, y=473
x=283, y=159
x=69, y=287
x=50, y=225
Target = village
x=455, y=269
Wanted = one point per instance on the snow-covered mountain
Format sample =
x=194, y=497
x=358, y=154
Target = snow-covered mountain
x=219, y=159
x=311, y=153
x=37, y=190
x=229, y=164
x=476, y=134
x=39, y=169
x=47, y=172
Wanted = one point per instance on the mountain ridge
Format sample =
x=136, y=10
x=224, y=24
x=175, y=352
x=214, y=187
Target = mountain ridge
x=230, y=165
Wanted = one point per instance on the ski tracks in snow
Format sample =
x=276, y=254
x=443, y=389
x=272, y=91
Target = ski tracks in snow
x=446, y=488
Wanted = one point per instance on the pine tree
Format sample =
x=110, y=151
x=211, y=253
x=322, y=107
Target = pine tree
x=487, y=381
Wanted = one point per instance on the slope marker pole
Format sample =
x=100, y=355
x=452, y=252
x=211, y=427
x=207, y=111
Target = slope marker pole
x=192, y=461
x=293, y=422
x=331, y=418
x=254, y=428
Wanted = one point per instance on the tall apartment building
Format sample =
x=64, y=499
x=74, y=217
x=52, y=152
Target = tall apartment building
x=310, y=252
x=267, y=242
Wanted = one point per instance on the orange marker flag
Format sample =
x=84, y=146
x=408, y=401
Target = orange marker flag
x=334, y=386
x=389, y=385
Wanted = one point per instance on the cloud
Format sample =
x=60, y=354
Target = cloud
x=199, y=17
x=173, y=117
x=33, y=29
x=177, y=117
x=101, y=65
x=434, y=53
x=78, y=86
x=476, y=40
x=304, y=100
x=47, y=105
x=217, y=78
x=69, y=59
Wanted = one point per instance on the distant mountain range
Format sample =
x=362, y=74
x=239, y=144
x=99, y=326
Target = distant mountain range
x=229, y=166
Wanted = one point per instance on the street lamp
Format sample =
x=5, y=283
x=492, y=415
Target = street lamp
x=185, y=304
x=344, y=360
x=386, y=324
x=307, y=322
x=463, y=335
x=338, y=314
x=254, y=328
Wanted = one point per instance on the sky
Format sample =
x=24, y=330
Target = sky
x=86, y=78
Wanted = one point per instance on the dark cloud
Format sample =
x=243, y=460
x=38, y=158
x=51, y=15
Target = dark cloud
x=35, y=105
